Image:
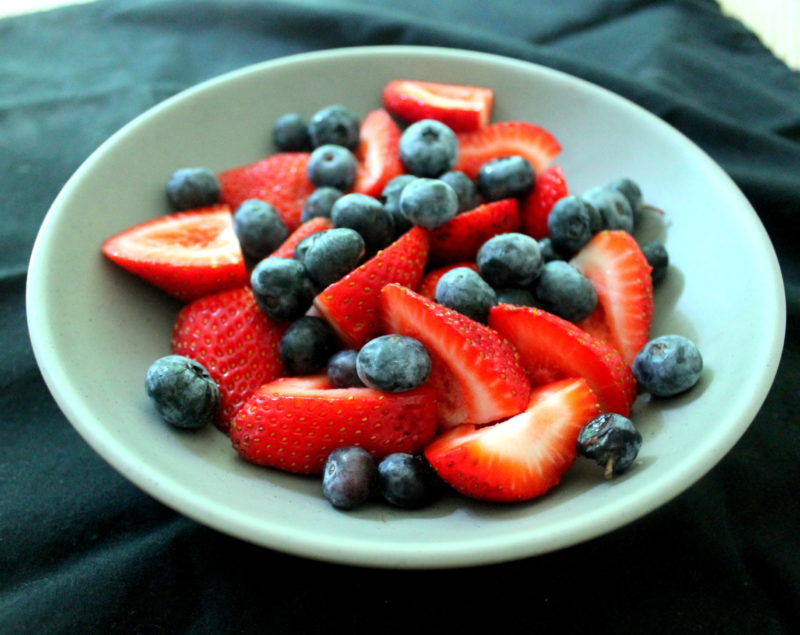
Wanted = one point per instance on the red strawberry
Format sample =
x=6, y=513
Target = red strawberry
x=463, y=108
x=615, y=264
x=476, y=373
x=279, y=179
x=552, y=348
x=504, y=139
x=522, y=457
x=311, y=226
x=187, y=254
x=294, y=423
x=236, y=342
x=377, y=153
x=427, y=288
x=460, y=238
x=550, y=186
x=351, y=305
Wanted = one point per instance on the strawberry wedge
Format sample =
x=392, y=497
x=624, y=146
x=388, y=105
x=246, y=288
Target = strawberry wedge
x=550, y=186
x=377, y=153
x=311, y=226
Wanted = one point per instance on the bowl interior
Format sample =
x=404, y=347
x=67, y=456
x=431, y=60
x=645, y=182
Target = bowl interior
x=96, y=329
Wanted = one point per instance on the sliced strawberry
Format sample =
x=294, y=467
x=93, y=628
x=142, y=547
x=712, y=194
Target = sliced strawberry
x=522, y=457
x=550, y=186
x=377, y=153
x=462, y=108
x=476, y=373
x=427, y=288
x=311, y=226
x=618, y=269
x=294, y=423
x=552, y=348
x=460, y=238
x=187, y=254
x=279, y=179
x=351, y=305
x=504, y=139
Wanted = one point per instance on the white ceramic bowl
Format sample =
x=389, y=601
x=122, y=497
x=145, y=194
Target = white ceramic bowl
x=95, y=329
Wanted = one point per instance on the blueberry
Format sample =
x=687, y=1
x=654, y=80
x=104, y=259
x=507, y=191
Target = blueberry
x=182, y=391
x=510, y=260
x=505, y=177
x=630, y=190
x=259, y=228
x=282, y=288
x=342, y=369
x=549, y=252
x=320, y=202
x=612, y=440
x=614, y=209
x=332, y=165
x=406, y=480
x=349, y=477
x=390, y=197
x=428, y=148
x=463, y=290
x=393, y=363
x=367, y=216
x=189, y=188
x=564, y=291
x=657, y=257
x=515, y=295
x=668, y=365
x=332, y=254
x=290, y=133
x=335, y=125
x=465, y=188
x=428, y=202
x=569, y=224
x=307, y=345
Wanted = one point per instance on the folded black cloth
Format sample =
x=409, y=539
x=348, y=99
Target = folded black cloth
x=84, y=551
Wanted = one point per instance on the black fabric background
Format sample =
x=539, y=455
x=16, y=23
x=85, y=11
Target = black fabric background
x=84, y=551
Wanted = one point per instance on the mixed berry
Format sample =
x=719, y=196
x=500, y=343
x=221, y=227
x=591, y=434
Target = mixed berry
x=409, y=301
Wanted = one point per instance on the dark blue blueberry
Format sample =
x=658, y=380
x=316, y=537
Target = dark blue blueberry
x=510, y=260
x=406, y=480
x=614, y=209
x=282, y=288
x=428, y=202
x=657, y=258
x=505, y=177
x=307, y=345
x=349, y=477
x=612, y=441
x=463, y=290
x=189, y=188
x=290, y=133
x=182, y=391
x=367, y=216
x=390, y=196
x=335, y=125
x=393, y=363
x=564, y=291
x=515, y=295
x=630, y=190
x=342, y=369
x=320, y=202
x=465, y=188
x=259, y=228
x=549, y=252
x=428, y=148
x=668, y=365
x=332, y=254
x=569, y=224
x=332, y=165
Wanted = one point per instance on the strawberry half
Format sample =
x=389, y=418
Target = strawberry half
x=351, y=305
x=522, y=457
x=294, y=423
x=505, y=139
x=552, y=348
x=280, y=179
x=461, y=237
x=462, y=108
x=550, y=186
x=187, y=254
x=427, y=288
x=619, y=271
x=476, y=373
x=235, y=340
x=311, y=226
x=377, y=153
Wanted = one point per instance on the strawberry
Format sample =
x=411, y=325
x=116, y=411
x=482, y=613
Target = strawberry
x=522, y=457
x=427, y=288
x=462, y=108
x=377, y=153
x=552, y=348
x=476, y=373
x=460, y=238
x=550, y=186
x=187, y=254
x=311, y=226
x=235, y=340
x=351, y=305
x=505, y=139
x=619, y=271
x=294, y=423
x=280, y=179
